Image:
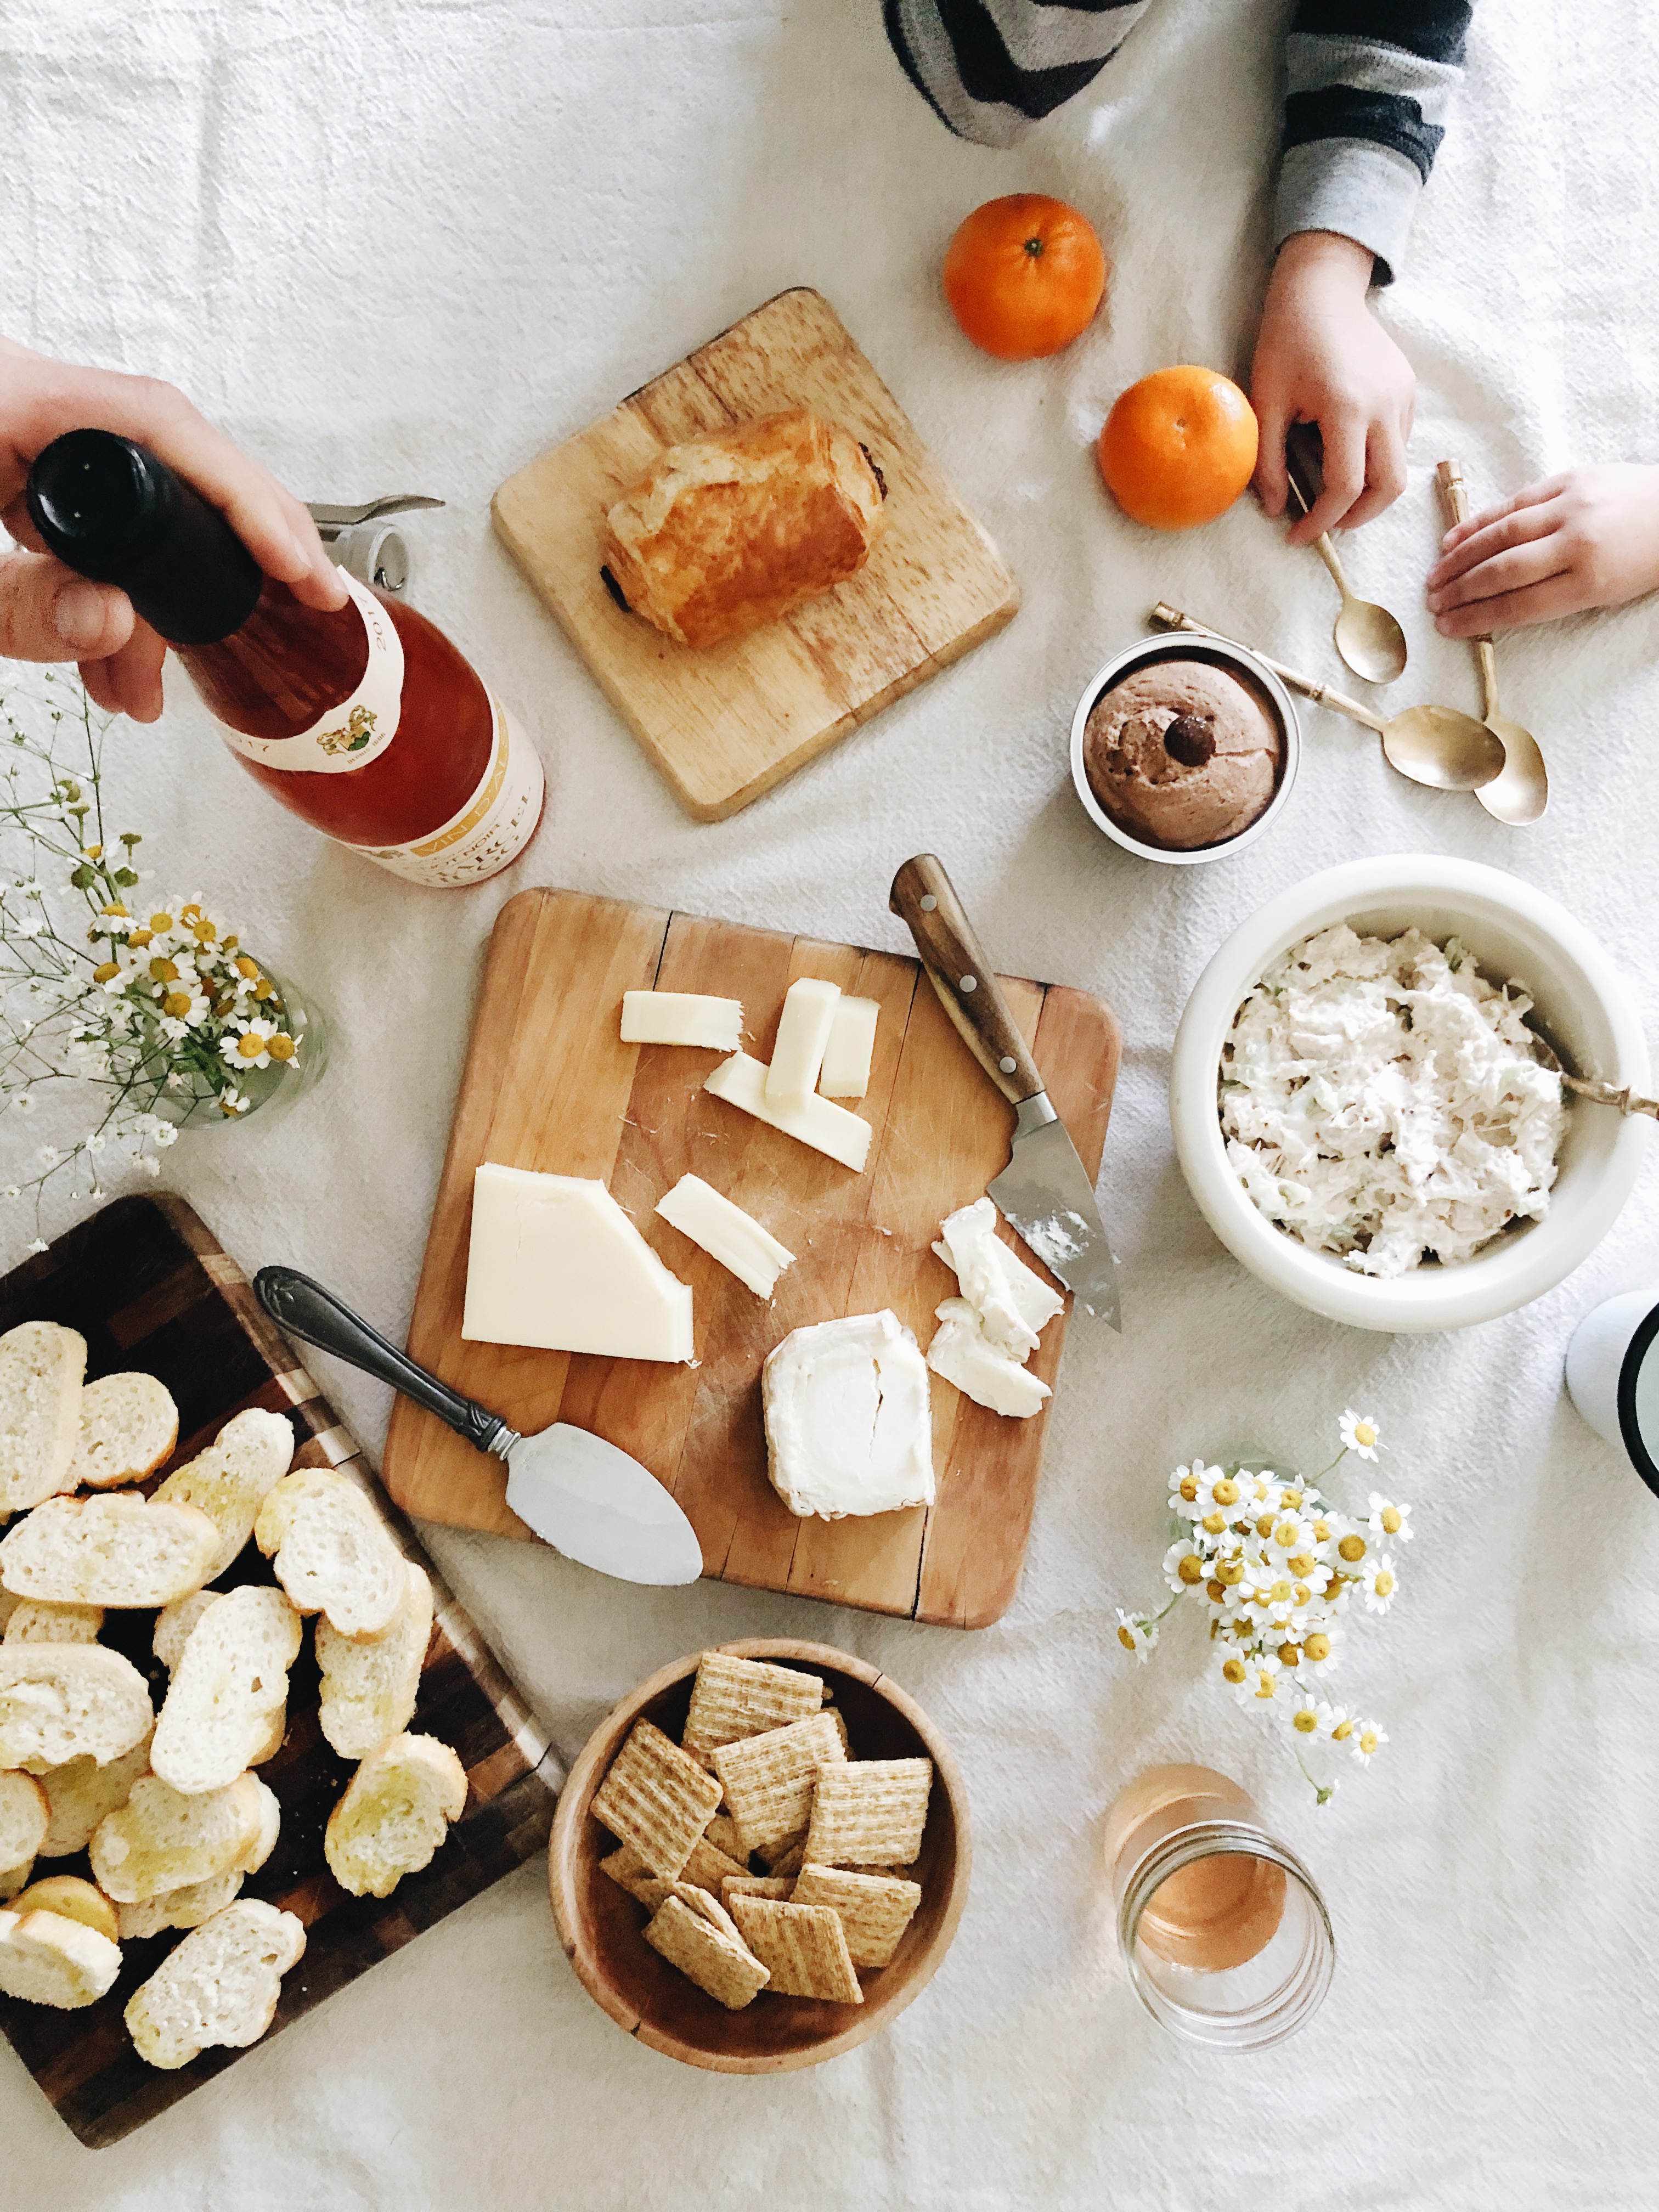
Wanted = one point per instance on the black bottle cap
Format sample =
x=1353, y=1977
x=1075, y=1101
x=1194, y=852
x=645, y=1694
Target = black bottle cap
x=109, y=508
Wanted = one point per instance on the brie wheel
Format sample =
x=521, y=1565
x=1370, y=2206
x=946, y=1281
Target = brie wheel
x=847, y=1424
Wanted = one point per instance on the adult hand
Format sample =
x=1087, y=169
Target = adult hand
x=1322, y=356
x=1590, y=538
x=49, y=613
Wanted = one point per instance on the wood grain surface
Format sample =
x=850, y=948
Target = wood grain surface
x=725, y=725
x=147, y=1286
x=548, y=1084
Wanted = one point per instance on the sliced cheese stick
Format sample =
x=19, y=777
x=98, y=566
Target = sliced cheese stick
x=809, y=1008
x=734, y=1238
x=682, y=1018
x=828, y=1128
x=846, y=1056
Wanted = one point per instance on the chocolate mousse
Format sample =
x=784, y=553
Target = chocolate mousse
x=1183, y=754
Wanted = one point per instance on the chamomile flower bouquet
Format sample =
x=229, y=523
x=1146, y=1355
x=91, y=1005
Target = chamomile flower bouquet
x=149, y=1003
x=1286, y=1575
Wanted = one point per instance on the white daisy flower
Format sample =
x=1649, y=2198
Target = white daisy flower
x=1364, y=1740
x=1185, y=1485
x=1360, y=1434
x=1389, y=1520
x=1260, y=1683
x=152, y=1168
x=1302, y=1718
x=1233, y=1666
x=1135, y=1633
x=38, y=1245
x=246, y=1045
x=1183, y=1566
x=1380, y=1584
x=1322, y=1647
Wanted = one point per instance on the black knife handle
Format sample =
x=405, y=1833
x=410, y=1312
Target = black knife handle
x=925, y=900
x=316, y=1317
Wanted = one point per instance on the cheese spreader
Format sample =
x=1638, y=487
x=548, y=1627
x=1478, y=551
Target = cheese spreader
x=1044, y=1191
x=585, y=1498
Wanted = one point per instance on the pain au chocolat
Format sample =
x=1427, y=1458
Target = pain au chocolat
x=729, y=531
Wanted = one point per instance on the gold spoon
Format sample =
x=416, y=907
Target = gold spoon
x=1599, y=1094
x=1435, y=745
x=1522, y=793
x=1368, y=638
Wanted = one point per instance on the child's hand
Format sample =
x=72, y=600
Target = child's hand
x=1322, y=356
x=1590, y=538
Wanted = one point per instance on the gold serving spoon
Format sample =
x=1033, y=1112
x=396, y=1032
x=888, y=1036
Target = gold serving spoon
x=1522, y=793
x=1599, y=1094
x=1435, y=745
x=1368, y=638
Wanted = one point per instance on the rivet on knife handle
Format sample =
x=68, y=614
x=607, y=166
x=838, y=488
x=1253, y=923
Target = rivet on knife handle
x=925, y=900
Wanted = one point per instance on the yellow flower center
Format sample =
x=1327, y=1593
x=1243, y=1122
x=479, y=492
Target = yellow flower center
x=176, y=1003
x=1317, y=1647
x=205, y=932
x=93, y=852
x=104, y=970
x=159, y=921
x=1264, y=1526
x=1342, y=1731
x=1363, y=1435
x=1282, y=1593
x=1290, y=1654
x=1351, y=1548
x=1264, y=1688
x=1215, y=1591
x=1126, y=1637
x=164, y=971
x=1384, y=1584
x=281, y=1047
x=1292, y=1498
x=191, y=913
x=1229, y=1571
x=115, y=907
x=1190, y=1570
x=1391, y=1519
x=1305, y=1722
x=1225, y=1492
x=1214, y=1523
x=1233, y=1670
x=264, y=988
x=140, y=936
x=250, y=1047
x=1302, y=1563
x=1368, y=1742
x=1188, y=1483
x=226, y=1108
x=1321, y=1532
x=1303, y=1594
x=1287, y=1533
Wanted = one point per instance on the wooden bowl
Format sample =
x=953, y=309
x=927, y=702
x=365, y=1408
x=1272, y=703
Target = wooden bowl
x=603, y=1928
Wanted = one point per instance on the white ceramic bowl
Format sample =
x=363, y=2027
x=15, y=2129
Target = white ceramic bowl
x=1583, y=1005
x=1238, y=660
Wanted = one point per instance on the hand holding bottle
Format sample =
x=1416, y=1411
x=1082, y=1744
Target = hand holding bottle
x=47, y=612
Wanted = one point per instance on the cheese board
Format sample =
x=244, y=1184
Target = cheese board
x=725, y=724
x=146, y=1283
x=550, y=1085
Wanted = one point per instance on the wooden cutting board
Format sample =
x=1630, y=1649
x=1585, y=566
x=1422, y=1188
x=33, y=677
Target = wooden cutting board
x=147, y=1286
x=549, y=1085
x=723, y=725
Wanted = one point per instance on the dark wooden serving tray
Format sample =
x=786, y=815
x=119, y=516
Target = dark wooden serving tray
x=148, y=1286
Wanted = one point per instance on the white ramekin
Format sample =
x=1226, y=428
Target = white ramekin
x=1186, y=645
x=1584, y=1007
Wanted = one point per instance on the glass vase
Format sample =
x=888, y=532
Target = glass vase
x=190, y=1099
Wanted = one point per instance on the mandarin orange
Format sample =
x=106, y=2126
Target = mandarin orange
x=1024, y=275
x=1178, y=448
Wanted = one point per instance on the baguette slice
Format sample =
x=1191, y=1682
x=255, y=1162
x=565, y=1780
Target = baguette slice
x=220, y=1986
x=331, y=1551
x=174, y=1623
x=128, y=1424
x=230, y=1480
x=14, y=1881
x=64, y=1701
x=370, y=1683
x=41, y=1368
x=32, y=1620
x=161, y=1840
x=25, y=1816
x=76, y=1899
x=80, y=1794
x=120, y=1550
x=230, y=1683
x=179, y=1908
x=395, y=1812
x=47, y=1959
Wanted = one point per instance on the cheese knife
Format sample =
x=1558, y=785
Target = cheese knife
x=585, y=1498
x=1044, y=1191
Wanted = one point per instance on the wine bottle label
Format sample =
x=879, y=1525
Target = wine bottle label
x=490, y=831
x=359, y=730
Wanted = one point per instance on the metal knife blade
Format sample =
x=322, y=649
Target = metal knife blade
x=1045, y=1194
x=593, y=1502
x=1044, y=1191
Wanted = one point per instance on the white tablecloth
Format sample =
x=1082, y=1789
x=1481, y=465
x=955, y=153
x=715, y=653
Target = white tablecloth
x=404, y=248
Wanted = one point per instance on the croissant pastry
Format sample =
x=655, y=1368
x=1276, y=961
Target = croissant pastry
x=727, y=533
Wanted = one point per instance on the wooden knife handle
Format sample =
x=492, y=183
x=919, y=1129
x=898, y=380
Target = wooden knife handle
x=925, y=900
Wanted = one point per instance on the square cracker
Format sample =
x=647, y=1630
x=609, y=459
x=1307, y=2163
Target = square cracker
x=875, y=1909
x=870, y=1812
x=735, y=1698
x=707, y=1867
x=630, y=1871
x=731, y=1974
x=777, y=1886
x=722, y=1833
x=656, y=1799
x=802, y=1947
x=769, y=1778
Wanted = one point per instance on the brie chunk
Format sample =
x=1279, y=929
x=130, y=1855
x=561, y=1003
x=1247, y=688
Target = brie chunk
x=734, y=1238
x=682, y=1018
x=555, y=1262
x=847, y=1426
x=1011, y=1303
x=846, y=1070
x=961, y=1353
x=809, y=1008
x=826, y=1127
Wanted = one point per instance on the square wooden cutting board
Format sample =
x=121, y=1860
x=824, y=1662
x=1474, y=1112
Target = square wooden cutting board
x=727, y=724
x=549, y=1084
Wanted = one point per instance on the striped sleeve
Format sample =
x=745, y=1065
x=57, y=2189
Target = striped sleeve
x=989, y=68
x=1369, y=85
